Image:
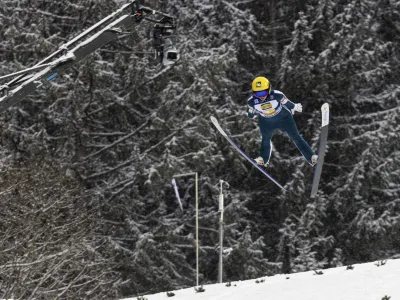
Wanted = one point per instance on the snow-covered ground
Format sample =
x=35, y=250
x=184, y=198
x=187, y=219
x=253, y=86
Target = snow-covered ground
x=365, y=282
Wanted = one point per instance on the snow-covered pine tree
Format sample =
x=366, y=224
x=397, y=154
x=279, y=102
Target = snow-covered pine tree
x=247, y=259
x=306, y=243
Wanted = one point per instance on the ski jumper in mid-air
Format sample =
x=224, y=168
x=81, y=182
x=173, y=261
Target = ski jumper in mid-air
x=275, y=111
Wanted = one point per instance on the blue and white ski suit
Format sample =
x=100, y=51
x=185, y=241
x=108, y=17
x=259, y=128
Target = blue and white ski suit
x=275, y=113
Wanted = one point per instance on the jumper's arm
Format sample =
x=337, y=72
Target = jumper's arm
x=75, y=50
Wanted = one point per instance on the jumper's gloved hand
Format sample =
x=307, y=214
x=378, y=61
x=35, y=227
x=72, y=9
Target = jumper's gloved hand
x=251, y=113
x=251, y=110
x=297, y=107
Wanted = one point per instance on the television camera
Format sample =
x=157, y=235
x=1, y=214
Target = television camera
x=164, y=46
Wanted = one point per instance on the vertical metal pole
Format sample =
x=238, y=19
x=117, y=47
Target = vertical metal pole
x=221, y=233
x=197, y=232
x=197, y=219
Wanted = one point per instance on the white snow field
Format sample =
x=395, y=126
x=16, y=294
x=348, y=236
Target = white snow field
x=365, y=282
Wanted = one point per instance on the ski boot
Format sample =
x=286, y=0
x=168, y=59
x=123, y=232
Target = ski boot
x=260, y=161
x=314, y=160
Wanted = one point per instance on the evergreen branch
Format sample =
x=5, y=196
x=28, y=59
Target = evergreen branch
x=118, y=141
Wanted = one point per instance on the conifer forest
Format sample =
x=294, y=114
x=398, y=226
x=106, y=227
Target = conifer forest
x=87, y=208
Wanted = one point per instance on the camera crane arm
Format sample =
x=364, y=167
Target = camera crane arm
x=101, y=33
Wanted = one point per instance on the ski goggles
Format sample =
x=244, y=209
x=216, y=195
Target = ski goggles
x=261, y=93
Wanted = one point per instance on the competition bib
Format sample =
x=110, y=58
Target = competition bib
x=268, y=109
x=269, y=112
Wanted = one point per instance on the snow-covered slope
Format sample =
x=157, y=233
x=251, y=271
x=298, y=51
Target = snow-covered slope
x=364, y=282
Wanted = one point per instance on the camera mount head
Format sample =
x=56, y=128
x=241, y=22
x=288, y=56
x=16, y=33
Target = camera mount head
x=164, y=28
x=165, y=49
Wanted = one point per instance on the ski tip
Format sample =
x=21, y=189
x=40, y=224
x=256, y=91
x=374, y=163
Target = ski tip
x=325, y=114
x=216, y=124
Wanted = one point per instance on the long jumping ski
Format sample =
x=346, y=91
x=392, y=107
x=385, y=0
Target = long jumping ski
x=323, y=138
x=216, y=124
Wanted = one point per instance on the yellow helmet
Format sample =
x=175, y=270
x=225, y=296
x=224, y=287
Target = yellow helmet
x=260, y=84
